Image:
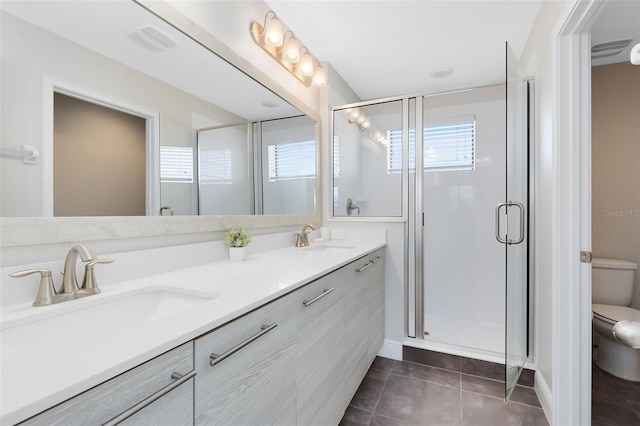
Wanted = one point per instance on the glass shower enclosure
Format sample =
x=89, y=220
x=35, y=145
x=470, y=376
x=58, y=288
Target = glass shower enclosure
x=466, y=258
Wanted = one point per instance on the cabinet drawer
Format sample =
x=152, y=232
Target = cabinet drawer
x=173, y=409
x=113, y=397
x=256, y=382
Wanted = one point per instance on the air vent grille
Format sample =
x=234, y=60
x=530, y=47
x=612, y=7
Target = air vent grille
x=609, y=48
x=152, y=38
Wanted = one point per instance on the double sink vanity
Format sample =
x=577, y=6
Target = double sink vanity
x=284, y=337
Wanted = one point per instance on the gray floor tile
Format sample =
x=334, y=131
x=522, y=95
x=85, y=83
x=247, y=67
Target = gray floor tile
x=480, y=410
x=527, y=378
x=382, y=364
x=356, y=417
x=477, y=367
x=615, y=413
x=419, y=403
x=370, y=389
x=434, y=359
x=614, y=401
x=484, y=386
x=426, y=373
x=495, y=388
x=378, y=420
x=525, y=395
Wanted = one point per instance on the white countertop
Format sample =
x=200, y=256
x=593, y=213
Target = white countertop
x=39, y=374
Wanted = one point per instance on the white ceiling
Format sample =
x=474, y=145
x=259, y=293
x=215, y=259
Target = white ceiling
x=389, y=48
x=381, y=48
x=102, y=26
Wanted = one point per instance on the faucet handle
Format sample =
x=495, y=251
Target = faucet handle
x=89, y=283
x=46, y=291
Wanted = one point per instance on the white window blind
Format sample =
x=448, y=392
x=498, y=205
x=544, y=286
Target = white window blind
x=446, y=147
x=176, y=164
x=336, y=156
x=215, y=166
x=292, y=161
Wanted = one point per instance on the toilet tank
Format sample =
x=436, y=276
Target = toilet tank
x=612, y=281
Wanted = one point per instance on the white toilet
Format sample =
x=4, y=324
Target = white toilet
x=617, y=326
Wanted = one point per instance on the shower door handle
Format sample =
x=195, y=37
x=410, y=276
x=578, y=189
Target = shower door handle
x=506, y=240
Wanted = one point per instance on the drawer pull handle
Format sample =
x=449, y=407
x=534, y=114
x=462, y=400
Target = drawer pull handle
x=215, y=359
x=377, y=259
x=368, y=265
x=179, y=379
x=326, y=291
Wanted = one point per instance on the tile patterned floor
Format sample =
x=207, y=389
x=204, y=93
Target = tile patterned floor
x=614, y=401
x=408, y=393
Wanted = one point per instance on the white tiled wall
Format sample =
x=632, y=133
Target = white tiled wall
x=464, y=264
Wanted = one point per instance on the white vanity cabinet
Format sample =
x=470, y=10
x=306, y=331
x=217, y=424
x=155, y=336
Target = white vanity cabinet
x=298, y=359
x=246, y=369
x=158, y=392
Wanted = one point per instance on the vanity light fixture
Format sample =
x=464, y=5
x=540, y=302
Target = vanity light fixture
x=291, y=48
x=287, y=50
x=359, y=118
x=272, y=30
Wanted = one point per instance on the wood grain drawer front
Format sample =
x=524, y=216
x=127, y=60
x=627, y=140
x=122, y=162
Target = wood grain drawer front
x=106, y=401
x=173, y=409
x=257, y=383
x=376, y=308
x=320, y=349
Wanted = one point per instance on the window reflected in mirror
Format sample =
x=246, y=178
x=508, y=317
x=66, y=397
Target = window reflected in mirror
x=282, y=153
x=367, y=160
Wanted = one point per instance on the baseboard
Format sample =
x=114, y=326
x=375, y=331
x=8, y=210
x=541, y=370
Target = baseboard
x=391, y=349
x=544, y=395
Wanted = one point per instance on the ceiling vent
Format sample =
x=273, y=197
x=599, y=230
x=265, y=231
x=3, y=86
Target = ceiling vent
x=609, y=48
x=152, y=38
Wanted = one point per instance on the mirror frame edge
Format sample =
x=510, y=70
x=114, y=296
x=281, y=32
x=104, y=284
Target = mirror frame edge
x=26, y=231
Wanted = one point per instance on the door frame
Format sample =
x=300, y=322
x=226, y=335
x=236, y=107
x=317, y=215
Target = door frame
x=53, y=85
x=571, y=303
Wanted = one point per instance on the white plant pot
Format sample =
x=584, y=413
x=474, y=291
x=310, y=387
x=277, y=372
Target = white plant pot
x=237, y=253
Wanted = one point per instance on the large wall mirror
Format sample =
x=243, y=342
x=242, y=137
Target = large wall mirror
x=206, y=130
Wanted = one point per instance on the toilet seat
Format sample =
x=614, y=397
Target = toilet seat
x=618, y=351
x=613, y=314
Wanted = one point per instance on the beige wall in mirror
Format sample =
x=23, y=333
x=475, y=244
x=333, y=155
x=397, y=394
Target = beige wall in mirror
x=99, y=157
x=46, y=56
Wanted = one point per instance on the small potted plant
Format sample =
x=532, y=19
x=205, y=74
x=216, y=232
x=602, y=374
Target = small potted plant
x=237, y=239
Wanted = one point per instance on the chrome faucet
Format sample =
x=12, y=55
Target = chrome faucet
x=302, y=239
x=69, y=290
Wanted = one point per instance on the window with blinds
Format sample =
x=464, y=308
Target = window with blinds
x=215, y=166
x=176, y=164
x=446, y=147
x=292, y=161
x=336, y=156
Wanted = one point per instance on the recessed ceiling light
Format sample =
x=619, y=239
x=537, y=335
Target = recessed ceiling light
x=270, y=104
x=441, y=72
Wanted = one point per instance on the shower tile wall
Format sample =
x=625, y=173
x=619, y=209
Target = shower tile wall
x=464, y=264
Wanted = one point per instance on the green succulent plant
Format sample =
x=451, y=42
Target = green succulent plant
x=237, y=237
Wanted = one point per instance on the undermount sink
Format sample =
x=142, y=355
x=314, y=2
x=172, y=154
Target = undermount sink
x=91, y=319
x=327, y=248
